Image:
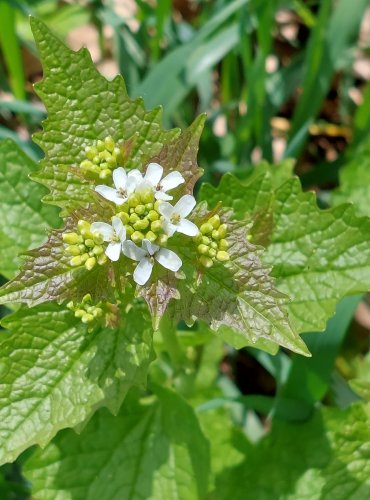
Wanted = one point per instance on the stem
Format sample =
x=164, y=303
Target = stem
x=171, y=342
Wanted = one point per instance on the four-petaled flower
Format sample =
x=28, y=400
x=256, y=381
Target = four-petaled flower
x=153, y=176
x=125, y=184
x=146, y=255
x=175, y=216
x=115, y=234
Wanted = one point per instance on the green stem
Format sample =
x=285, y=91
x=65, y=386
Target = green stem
x=11, y=50
x=171, y=342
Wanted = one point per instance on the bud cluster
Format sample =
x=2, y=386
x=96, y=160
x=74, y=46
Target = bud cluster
x=142, y=219
x=84, y=247
x=102, y=158
x=211, y=242
x=85, y=310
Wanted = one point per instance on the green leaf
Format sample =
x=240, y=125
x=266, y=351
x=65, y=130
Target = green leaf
x=317, y=256
x=82, y=107
x=55, y=373
x=326, y=457
x=24, y=219
x=355, y=181
x=240, y=295
x=152, y=450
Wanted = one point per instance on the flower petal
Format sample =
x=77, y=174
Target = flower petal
x=119, y=228
x=134, y=178
x=160, y=195
x=185, y=205
x=168, y=259
x=153, y=173
x=110, y=194
x=166, y=210
x=120, y=178
x=150, y=247
x=106, y=230
x=143, y=271
x=169, y=228
x=113, y=250
x=132, y=251
x=171, y=181
x=187, y=227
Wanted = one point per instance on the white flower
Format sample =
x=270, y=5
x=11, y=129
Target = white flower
x=125, y=184
x=115, y=234
x=146, y=256
x=175, y=216
x=153, y=178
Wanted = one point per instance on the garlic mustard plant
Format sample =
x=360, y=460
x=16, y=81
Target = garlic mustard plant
x=143, y=276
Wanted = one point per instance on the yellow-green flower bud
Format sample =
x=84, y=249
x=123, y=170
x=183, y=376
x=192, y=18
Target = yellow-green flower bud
x=149, y=206
x=198, y=238
x=71, y=238
x=203, y=249
x=133, y=200
x=102, y=259
x=140, y=209
x=157, y=205
x=151, y=236
x=153, y=215
x=212, y=252
x=89, y=243
x=91, y=152
x=73, y=250
x=215, y=234
x=223, y=245
x=129, y=231
x=109, y=144
x=124, y=208
x=147, y=196
x=141, y=224
x=97, y=312
x=206, y=261
x=98, y=250
x=105, y=173
x=86, y=298
x=162, y=240
x=76, y=261
x=84, y=257
x=83, y=225
x=215, y=221
x=206, y=240
x=156, y=226
x=98, y=238
x=90, y=263
x=104, y=155
x=222, y=230
x=134, y=218
x=214, y=245
x=206, y=228
x=86, y=165
x=100, y=145
x=137, y=237
x=222, y=256
x=79, y=313
x=87, y=318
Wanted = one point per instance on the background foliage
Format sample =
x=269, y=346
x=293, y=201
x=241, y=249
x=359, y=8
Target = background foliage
x=278, y=80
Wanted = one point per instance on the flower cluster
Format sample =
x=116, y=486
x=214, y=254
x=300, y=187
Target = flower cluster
x=85, y=310
x=102, y=158
x=144, y=219
x=211, y=242
x=85, y=246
